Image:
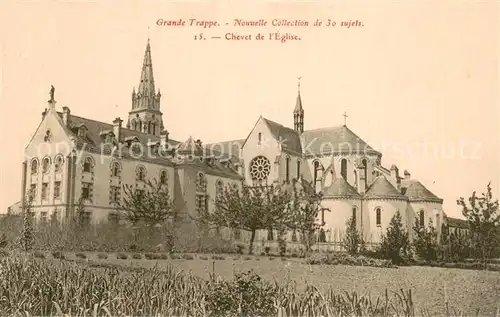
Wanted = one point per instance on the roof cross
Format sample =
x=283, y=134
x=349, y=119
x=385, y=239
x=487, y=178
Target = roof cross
x=345, y=118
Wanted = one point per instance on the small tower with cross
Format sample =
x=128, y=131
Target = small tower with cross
x=298, y=112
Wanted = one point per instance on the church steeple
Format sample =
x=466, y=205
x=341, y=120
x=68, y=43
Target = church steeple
x=298, y=112
x=145, y=115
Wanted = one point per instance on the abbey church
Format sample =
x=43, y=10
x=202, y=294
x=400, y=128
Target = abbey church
x=71, y=157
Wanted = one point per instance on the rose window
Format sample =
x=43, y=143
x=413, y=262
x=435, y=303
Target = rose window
x=260, y=168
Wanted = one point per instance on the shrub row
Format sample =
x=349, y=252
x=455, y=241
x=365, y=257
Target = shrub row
x=346, y=259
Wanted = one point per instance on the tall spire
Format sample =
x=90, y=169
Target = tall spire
x=147, y=84
x=298, y=112
x=146, y=115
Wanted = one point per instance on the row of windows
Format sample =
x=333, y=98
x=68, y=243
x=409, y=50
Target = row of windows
x=46, y=190
x=343, y=169
x=46, y=164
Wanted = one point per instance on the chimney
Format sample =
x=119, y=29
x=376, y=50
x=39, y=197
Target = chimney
x=407, y=175
x=361, y=179
x=65, y=116
x=394, y=172
x=164, y=137
x=117, y=129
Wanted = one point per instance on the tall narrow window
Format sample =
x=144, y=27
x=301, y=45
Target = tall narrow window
x=45, y=191
x=366, y=168
x=260, y=138
x=116, y=169
x=354, y=214
x=140, y=126
x=422, y=218
x=154, y=128
x=298, y=169
x=343, y=169
x=379, y=217
x=163, y=177
x=87, y=165
x=57, y=190
x=316, y=169
x=34, y=166
x=287, y=169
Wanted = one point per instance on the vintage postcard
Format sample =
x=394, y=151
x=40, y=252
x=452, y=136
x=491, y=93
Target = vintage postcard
x=249, y=158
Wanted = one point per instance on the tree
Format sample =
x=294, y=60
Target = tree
x=150, y=205
x=28, y=229
x=483, y=216
x=395, y=243
x=352, y=240
x=302, y=214
x=248, y=208
x=425, y=241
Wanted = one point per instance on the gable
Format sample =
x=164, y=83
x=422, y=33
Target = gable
x=50, y=138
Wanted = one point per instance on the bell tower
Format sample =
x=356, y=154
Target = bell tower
x=146, y=116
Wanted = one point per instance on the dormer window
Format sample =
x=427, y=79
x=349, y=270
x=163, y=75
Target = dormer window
x=82, y=131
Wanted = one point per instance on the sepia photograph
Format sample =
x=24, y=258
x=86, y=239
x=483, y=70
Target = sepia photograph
x=249, y=158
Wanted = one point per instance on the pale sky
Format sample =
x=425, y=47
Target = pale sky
x=417, y=75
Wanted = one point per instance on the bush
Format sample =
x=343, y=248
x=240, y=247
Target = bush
x=163, y=256
x=240, y=248
x=202, y=257
x=395, y=243
x=58, y=255
x=187, y=257
x=346, y=259
x=218, y=257
x=151, y=256
x=81, y=255
x=266, y=250
x=4, y=253
x=122, y=256
x=174, y=256
x=38, y=254
x=136, y=256
x=102, y=256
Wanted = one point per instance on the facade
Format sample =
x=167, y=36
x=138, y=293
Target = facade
x=71, y=157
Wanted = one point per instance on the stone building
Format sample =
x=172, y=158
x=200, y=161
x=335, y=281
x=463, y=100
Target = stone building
x=70, y=157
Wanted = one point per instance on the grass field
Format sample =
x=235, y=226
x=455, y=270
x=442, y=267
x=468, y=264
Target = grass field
x=468, y=291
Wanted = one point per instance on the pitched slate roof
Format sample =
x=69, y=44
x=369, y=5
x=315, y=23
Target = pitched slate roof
x=418, y=192
x=457, y=223
x=94, y=142
x=190, y=147
x=226, y=149
x=334, y=140
x=381, y=188
x=288, y=137
x=340, y=189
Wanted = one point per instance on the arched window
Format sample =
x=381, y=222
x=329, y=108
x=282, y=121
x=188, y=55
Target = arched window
x=141, y=173
x=154, y=128
x=34, y=166
x=260, y=139
x=363, y=162
x=287, y=169
x=87, y=165
x=298, y=169
x=163, y=177
x=58, y=163
x=354, y=211
x=115, y=169
x=421, y=218
x=140, y=125
x=316, y=170
x=343, y=168
x=149, y=126
x=378, y=217
x=45, y=165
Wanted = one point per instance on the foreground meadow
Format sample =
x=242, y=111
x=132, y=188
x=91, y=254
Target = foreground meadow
x=434, y=290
